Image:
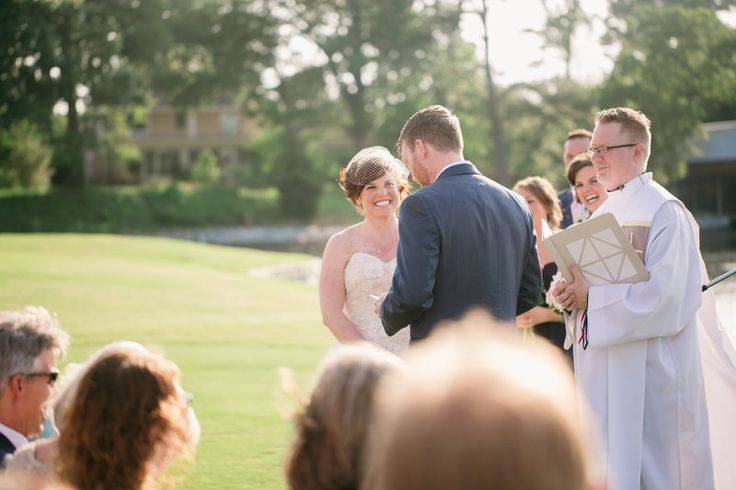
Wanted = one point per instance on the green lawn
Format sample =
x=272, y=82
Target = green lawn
x=228, y=332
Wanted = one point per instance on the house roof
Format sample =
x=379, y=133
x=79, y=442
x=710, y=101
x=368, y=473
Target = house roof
x=718, y=144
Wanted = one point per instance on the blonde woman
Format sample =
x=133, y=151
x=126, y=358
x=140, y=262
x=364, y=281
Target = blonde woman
x=475, y=408
x=332, y=427
x=588, y=191
x=542, y=200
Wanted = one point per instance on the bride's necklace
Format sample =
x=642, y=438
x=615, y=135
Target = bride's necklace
x=380, y=248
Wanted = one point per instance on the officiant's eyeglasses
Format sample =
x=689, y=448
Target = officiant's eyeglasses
x=602, y=150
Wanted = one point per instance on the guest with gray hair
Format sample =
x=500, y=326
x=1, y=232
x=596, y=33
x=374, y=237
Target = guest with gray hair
x=31, y=341
x=41, y=456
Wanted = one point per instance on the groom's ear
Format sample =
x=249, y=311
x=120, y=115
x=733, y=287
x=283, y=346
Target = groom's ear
x=420, y=147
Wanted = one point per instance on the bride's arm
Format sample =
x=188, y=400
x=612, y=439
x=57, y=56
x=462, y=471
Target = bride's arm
x=332, y=292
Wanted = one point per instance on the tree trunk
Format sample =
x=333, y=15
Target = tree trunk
x=74, y=144
x=69, y=71
x=497, y=136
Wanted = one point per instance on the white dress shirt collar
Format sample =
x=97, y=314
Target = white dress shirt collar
x=448, y=166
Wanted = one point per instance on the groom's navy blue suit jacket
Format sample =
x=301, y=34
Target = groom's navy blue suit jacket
x=464, y=241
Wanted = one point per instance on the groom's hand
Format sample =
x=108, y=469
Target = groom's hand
x=379, y=303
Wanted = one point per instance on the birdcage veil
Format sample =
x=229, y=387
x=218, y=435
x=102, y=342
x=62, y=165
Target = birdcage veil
x=373, y=163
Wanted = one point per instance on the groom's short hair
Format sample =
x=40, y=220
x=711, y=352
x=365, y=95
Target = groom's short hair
x=436, y=125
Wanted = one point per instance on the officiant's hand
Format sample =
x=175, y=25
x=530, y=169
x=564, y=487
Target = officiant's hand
x=557, y=291
x=575, y=294
x=379, y=303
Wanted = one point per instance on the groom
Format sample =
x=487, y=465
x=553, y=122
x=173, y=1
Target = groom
x=464, y=240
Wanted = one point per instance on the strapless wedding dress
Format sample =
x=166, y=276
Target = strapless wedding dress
x=367, y=275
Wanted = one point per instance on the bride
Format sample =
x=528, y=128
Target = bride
x=358, y=262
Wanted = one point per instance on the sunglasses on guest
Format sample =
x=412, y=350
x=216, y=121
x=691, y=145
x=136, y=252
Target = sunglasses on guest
x=51, y=376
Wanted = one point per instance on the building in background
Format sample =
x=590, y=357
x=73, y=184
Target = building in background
x=173, y=139
x=709, y=189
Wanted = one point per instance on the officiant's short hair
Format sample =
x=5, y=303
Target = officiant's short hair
x=636, y=123
x=496, y=413
x=436, y=125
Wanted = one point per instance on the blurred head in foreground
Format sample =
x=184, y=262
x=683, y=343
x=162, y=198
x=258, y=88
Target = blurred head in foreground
x=332, y=426
x=127, y=419
x=475, y=409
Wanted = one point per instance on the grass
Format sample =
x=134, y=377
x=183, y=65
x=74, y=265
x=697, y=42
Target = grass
x=228, y=332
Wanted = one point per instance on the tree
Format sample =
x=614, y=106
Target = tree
x=362, y=41
x=677, y=64
x=497, y=138
x=215, y=50
x=561, y=24
x=84, y=53
x=451, y=76
x=299, y=147
x=24, y=158
x=206, y=170
x=73, y=52
x=542, y=114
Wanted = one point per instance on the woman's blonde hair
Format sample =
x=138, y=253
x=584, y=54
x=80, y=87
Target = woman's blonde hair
x=476, y=408
x=332, y=427
x=543, y=190
x=127, y=411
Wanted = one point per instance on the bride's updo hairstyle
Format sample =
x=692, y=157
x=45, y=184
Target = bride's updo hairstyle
x=368, y=165
x=332, y=426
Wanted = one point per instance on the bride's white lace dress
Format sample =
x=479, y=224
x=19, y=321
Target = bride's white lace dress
x=367, y=275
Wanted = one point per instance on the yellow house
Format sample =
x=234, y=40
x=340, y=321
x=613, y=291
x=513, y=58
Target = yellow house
x=174, y=137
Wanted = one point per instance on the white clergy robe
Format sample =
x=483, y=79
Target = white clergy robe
x=641, y=371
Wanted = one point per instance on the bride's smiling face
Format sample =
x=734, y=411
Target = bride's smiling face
x=380, y=197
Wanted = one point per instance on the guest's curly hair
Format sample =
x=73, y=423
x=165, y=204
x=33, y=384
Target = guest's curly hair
x=128, y=415
x=333, y=426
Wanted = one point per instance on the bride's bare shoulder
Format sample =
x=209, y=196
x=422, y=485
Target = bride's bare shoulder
x=343, y=243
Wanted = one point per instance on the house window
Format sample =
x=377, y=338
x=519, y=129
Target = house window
x=181, y=120
x=228, y=124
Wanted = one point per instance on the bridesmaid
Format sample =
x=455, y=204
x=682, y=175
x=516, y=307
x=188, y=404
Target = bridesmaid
x=582, y=178
x=542, y=200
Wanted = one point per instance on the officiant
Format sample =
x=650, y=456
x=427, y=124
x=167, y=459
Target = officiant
x=636, y=346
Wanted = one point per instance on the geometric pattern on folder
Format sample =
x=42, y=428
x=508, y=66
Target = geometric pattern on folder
x=601, y=259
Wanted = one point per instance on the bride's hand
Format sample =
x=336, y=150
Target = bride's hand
x=535, y=316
